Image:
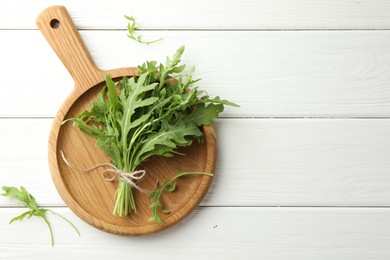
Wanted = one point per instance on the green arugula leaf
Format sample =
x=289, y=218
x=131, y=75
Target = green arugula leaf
x=22, y=216
x=29, y=201
x=204, y=115
x=167, y=139
x=112, y=94
x=168, y=186
x=218, y=100
x=171, y=66
x=131, y=28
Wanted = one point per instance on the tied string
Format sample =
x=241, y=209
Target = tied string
x=129, y=177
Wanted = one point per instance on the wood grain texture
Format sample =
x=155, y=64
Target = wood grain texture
x=272, y=162
x=56, y=25
x=205, y=14
x=282, y=74
x=215, y=233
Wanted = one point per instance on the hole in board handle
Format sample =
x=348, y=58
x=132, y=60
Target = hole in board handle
x=54, y=23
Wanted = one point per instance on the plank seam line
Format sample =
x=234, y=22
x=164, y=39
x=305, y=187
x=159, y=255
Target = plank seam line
x=213, y=29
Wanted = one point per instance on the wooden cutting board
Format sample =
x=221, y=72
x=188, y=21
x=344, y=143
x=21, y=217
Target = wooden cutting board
x=88, y=194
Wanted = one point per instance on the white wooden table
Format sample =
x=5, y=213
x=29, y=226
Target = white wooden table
x=304, y=165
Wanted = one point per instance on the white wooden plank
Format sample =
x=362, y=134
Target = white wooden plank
x=272, y=162
x=214, y=233
x=270, y=74
x=206, y=14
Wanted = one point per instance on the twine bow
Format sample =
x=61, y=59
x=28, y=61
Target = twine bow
x=129, y=177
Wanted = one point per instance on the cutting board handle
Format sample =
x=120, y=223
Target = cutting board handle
x=59, y=30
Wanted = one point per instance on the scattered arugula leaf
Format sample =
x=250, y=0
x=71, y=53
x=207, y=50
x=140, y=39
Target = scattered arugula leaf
x=29, y=201
x=168, y=186
x=131, y=28
x=150, y=114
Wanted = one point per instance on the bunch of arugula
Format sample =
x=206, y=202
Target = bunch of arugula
x=154, y=113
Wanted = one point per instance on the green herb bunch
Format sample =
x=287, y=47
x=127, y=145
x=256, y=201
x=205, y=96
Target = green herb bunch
x=150, y=114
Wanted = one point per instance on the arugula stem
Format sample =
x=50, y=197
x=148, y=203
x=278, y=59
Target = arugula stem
x=163, y=187
x=133, y=207
x=138, y=132
x=116, y=200
x=156, y=205
x=124, y=202
x=50, y=229
x=150, y=42
x=134, y=137
x=70, y=223
x=42, y=215
x=127, y=199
